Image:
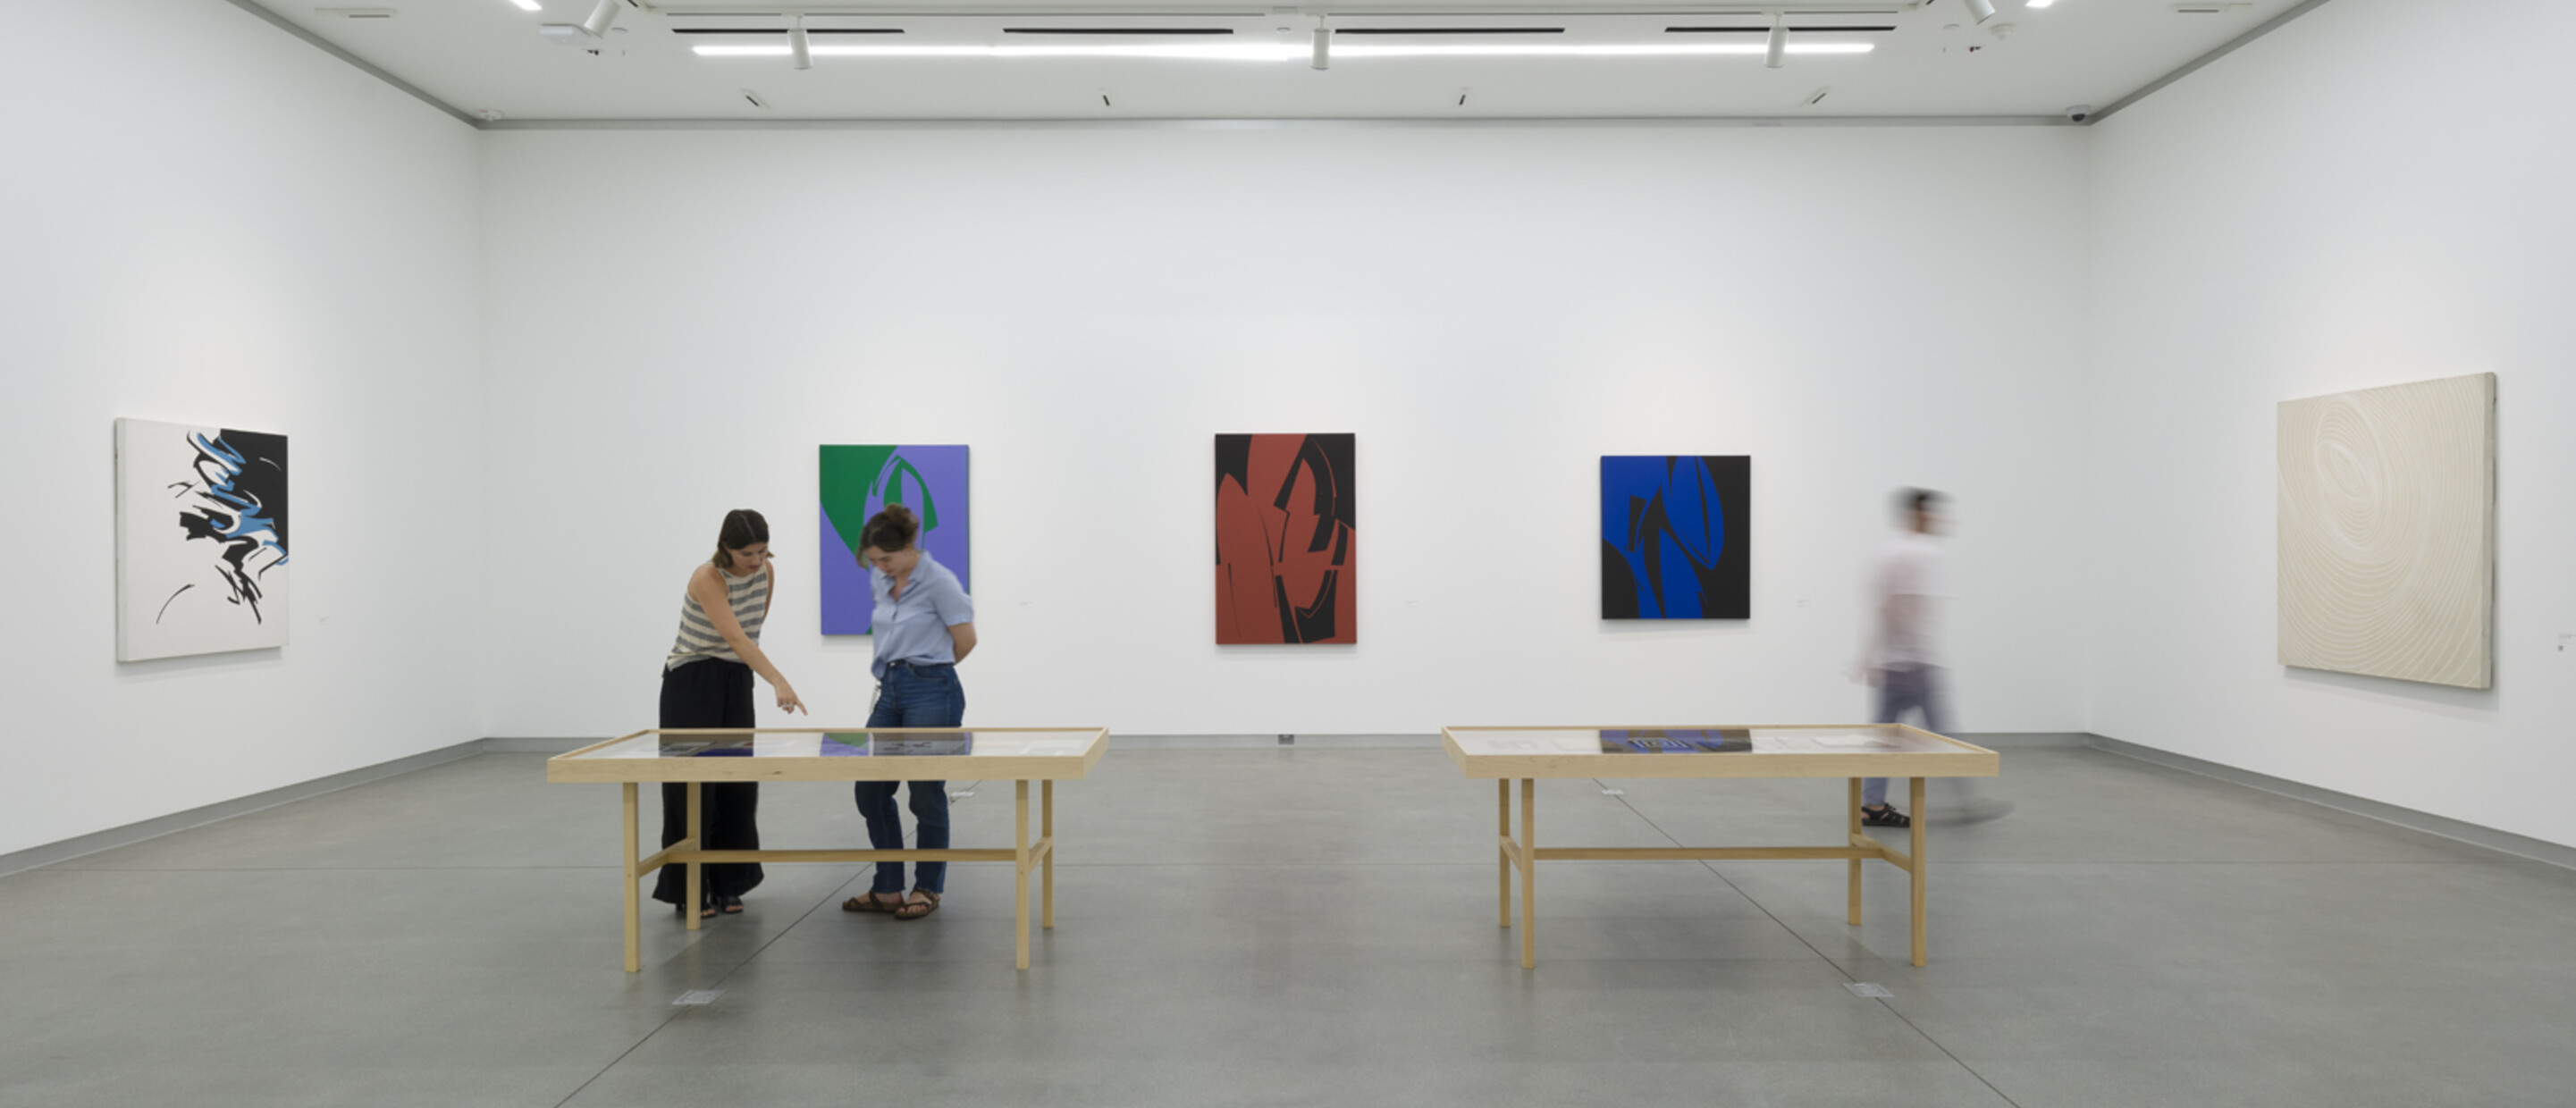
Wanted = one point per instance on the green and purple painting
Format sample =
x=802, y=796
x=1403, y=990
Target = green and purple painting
x=858, y=482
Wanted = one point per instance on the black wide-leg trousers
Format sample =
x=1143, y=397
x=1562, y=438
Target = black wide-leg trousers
x=710, y=692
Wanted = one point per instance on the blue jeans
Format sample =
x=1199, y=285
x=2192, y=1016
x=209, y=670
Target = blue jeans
x=1900, y=689
x=912, y=696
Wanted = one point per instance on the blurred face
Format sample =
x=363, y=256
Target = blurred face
x=747, y=560
x=1928, y=521
x=893, y=563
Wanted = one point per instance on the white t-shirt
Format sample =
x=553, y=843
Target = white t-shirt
x=1911, y=569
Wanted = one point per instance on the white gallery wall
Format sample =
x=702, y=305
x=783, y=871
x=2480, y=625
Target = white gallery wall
x=676, y=319
x=525, y=373
x=238, y=230
x=2363, y=198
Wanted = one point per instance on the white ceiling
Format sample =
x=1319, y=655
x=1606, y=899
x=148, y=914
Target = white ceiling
x=488, y=56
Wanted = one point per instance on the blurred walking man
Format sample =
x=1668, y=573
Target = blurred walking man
x=1903, y=659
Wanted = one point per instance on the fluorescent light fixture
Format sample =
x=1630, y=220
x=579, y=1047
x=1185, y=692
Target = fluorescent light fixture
x=529, y=5
x=2037, y=3
x=1260, y=52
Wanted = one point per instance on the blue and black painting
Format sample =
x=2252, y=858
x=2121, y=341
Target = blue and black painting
x=1675, y=536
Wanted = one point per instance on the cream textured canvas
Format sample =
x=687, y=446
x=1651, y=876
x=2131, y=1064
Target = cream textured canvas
x=2387, y=532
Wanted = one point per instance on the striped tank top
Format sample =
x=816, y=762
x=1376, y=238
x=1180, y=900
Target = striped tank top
x=749, y=597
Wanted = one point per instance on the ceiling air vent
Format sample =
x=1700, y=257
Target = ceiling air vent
x=1117, y=30
x=1767, y=30
x=1448, y=30
x=782, y=30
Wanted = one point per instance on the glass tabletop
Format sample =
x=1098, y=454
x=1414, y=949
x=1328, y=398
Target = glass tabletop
x=848, y=744
x=1709, y=741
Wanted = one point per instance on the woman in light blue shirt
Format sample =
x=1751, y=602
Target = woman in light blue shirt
x=924, y=625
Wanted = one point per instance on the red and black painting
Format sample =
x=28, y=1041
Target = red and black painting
x=1285, y=557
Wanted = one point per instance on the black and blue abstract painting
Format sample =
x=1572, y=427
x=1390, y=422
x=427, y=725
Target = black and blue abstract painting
x=201, y=539
x=1675, y=534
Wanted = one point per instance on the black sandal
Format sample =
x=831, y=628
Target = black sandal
x=729, y=905
x=1884, y=816
x=706, y=908
x=928, y=903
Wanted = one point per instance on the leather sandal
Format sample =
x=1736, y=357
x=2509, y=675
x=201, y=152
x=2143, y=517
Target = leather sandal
x=927, y=903
x=871, y=902
x=1884, y=816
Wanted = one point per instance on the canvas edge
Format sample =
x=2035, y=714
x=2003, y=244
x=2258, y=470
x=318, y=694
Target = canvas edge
x=117, y=452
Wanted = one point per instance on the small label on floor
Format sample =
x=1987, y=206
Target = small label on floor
x=1867, y=988
x=697, y=996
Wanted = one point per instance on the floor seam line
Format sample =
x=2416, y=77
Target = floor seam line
x=728, y=976
x=1946, y=1053
x=621, y=1056
x=1738, y=890
x=1711, y=866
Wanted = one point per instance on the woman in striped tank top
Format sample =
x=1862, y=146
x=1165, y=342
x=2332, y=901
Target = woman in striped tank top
x=706, y=682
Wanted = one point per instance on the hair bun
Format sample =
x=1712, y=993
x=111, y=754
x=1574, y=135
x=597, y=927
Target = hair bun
x=892, y=528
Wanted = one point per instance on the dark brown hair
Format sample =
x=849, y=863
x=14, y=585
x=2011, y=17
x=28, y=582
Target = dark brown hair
x=890, y=530
x=742, y=527
x=1912, y=502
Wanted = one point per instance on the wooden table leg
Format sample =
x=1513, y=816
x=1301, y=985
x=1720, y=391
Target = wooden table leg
x=1046, y=828
x=1020, y=871
x=1529, y=873
x=1915, y=794
x=1503, y=830
x=697, y=841
x=1854, y=864
x=634, y=911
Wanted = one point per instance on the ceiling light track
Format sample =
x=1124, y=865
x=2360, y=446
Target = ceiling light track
x=1282, y=52
x=783, y=30
x=1764, y=11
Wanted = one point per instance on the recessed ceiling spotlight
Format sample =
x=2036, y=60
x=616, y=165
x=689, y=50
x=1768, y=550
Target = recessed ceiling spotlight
x=588, y=30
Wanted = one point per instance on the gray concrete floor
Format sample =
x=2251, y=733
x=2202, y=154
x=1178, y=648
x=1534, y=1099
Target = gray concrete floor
x=1304, y=927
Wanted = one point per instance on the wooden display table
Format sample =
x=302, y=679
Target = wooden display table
x=1017, y=754
x=1528, y=754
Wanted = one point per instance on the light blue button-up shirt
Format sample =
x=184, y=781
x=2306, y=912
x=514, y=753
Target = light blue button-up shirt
x=915, y=628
